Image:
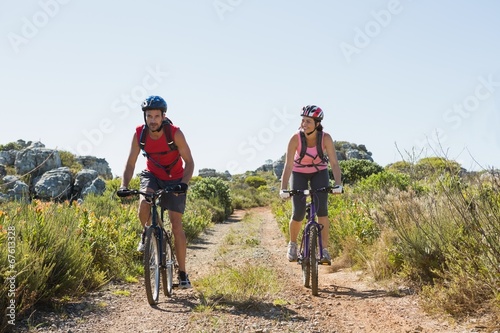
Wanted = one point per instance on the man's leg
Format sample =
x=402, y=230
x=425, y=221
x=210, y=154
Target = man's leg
x=179, y=239
x=144, y=210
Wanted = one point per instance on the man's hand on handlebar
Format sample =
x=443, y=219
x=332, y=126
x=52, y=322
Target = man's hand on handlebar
x=123, y=192
x=181, y=187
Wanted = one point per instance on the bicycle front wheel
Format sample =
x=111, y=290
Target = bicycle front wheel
x=167, y=273
x=152, y=266
x=306, y=273
x=304, y=262
x=313, y=258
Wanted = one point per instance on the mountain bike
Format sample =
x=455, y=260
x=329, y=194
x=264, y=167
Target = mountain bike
x=311, y=245
x=159, y=258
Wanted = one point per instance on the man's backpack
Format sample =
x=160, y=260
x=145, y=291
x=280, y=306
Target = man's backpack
x=167, y=131
x=319, y=147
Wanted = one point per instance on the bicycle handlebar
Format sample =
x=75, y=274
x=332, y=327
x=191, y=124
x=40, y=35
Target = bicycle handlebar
x=326, y=189
x=127, y=192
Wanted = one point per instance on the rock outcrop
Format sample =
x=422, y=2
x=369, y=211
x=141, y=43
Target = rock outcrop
x=46, y=178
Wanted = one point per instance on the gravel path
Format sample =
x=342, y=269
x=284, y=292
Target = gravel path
x=347, y=301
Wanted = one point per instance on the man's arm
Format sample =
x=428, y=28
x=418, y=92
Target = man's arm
x=128, y=173
x=186, y=156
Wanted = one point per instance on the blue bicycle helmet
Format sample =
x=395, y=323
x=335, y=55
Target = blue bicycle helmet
x=154, y=103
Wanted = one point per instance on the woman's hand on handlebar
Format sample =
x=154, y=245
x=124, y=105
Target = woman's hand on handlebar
x=284, y=194
x=337, y=189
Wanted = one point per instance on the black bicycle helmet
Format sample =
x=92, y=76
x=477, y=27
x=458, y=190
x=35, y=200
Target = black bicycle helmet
x=154, y=103
x=312, y=111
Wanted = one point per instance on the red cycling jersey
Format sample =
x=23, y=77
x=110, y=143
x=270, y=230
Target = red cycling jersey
x=160, y=152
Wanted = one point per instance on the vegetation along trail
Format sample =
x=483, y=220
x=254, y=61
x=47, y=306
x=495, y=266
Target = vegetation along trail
x=243, y=283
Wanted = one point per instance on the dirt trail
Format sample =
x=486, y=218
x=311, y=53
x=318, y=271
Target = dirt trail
x=347, y=301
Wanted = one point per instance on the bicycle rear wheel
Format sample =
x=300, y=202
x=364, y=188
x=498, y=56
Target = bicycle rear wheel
x=167, y=273
x=152, y=266
x=313, y=258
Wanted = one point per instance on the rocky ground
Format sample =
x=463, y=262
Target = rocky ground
x=348, y=301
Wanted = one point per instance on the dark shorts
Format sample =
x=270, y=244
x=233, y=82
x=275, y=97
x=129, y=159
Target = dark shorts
x=169, y=201
x=303, y=181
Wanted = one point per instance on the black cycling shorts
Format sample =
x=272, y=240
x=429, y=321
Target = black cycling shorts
x=171, y=201
x=304, y=181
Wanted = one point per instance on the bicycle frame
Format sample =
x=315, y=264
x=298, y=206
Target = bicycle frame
x=311, y=246
x=311, y=223
x=159, y=258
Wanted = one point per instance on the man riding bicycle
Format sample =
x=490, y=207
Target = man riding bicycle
x=169, y=163
x=306, y=163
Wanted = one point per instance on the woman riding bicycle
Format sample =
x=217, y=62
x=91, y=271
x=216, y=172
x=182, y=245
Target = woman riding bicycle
x=309, y=169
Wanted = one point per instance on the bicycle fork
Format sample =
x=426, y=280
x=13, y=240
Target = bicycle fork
x=304, y=245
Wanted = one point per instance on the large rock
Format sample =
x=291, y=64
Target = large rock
x=16, y=189
x=98, y=164
x=88, y=182
x=97, y=187
x=3, y=171
x=8, y=157
x=358, y=154
x=36, y=161
x=48, y=179
x=278, y=168
x=54, y=184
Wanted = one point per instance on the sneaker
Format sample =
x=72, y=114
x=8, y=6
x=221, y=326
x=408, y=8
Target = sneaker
x=292, y=251
x=325, y=258
x=140, y=247
x=184, y=280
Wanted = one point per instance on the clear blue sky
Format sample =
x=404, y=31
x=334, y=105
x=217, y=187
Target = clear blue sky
x=235, y=73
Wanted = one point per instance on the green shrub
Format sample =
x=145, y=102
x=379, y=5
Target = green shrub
x=350, y=222
x=400, y=167
x=198, y=216
x=215, y=190
x=382, y=181
x=18, y=145
x=111, y=232
x=69, y=160
x=354, y=170
x=255, y=181
x=51, y=257
x=433, y=167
